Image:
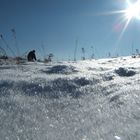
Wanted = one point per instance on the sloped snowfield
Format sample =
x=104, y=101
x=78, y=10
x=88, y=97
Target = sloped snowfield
x=84, y=100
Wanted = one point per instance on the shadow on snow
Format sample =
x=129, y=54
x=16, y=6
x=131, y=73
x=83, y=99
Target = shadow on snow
x=60, y=69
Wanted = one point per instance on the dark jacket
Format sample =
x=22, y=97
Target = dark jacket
x=31, y=56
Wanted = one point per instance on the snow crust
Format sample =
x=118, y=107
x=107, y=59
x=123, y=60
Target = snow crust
x=83, y=100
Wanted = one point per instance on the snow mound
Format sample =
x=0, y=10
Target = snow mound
x=59, y=87
x=61, y=69
x=125, y=72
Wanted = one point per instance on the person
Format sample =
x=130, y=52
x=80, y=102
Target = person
x=31, y=56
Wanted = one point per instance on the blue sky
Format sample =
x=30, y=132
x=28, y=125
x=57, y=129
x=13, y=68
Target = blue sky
x=57, y=24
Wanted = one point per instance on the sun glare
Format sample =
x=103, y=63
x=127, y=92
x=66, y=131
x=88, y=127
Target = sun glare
x=133, y=10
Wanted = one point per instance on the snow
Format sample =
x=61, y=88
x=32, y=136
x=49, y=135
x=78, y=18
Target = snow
x=83, y=100
x=117, y=138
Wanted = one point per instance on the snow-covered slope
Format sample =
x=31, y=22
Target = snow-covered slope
x=84, y=100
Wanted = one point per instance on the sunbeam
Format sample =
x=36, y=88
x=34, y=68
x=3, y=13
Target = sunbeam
x=124, y=29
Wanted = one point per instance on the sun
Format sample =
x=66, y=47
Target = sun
x=133, y=10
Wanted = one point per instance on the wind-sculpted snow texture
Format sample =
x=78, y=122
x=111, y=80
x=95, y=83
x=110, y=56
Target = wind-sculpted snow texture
x=83, y=100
